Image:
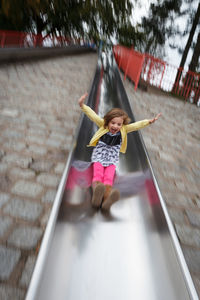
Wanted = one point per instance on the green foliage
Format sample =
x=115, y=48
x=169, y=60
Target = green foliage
x=96, y=19
x=189, y=12
x=159, y=25
x=107, y=20
x=8, y=18
x=130, y=36
x=24, y=15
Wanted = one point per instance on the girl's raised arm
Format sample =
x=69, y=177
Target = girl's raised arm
x=140, y=124
x=82, y=99
x=89, y=112
x=155, y=119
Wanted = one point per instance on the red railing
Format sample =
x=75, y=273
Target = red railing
x=134, y=64
x=24, y=39
x=130, y=61
x=167, y=77
x=158, y=73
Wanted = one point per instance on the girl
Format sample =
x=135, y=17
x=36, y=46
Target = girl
x=109, y=141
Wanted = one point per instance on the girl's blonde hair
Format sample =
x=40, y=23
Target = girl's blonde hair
x=113, y=113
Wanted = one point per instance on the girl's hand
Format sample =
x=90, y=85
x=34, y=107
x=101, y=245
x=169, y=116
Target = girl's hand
x=155, y=119
x=82, y=99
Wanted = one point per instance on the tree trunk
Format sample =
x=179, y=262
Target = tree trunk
x=187, y=48
x=195, y=57
x=193, y=67
x=191, y=82
x=39, y=27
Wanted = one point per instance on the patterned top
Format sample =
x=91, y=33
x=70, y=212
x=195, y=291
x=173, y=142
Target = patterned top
x=107, y=150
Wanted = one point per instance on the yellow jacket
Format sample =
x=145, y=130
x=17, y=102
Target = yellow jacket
x=101, y=131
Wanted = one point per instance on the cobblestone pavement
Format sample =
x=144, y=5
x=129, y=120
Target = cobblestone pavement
x=173, y=144
x=38, y=117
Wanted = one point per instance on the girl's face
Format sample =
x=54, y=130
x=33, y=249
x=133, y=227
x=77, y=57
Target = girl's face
x=115, y=124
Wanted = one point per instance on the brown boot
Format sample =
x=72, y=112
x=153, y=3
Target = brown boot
x=110, y=196
x=98, y=193
x=108, y=189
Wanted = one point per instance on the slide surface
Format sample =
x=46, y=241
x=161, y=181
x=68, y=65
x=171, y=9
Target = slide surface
x=126, y=254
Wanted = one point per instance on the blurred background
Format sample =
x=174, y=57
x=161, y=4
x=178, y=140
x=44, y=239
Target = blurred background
x=169, y=30
x=39, y=112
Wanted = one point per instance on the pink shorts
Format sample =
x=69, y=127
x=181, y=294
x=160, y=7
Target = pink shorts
x=103, y=174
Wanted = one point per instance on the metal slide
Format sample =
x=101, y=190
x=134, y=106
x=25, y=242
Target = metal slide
x=131, y=253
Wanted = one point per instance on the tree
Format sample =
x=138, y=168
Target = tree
x=96, y=19
x=10, y=19
x=25, y=15
x=187, y=48
x=104, y=18
x=192, y=80
x=130, y=36
x=159, y=25
x=194, y=64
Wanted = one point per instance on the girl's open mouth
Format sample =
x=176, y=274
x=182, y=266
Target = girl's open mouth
x=113, y=131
